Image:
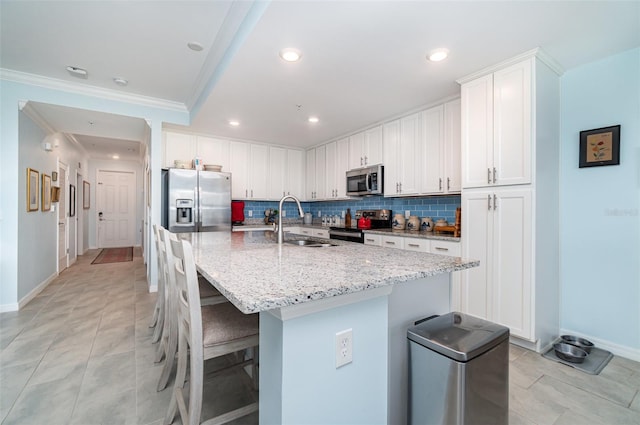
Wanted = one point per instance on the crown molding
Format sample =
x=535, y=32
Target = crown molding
x=31, y=112
x=88, y=90
x=533, y=53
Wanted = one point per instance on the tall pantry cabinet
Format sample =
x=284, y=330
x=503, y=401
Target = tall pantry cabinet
x=510, y=169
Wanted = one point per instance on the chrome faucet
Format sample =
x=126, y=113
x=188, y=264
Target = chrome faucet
x=280, y=228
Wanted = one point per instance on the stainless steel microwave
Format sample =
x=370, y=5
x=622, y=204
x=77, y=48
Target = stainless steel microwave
x=365, y=181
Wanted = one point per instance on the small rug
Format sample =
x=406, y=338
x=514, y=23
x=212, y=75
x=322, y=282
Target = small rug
x=114, y=255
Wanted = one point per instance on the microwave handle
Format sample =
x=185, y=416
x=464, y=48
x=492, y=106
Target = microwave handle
x=368, y=179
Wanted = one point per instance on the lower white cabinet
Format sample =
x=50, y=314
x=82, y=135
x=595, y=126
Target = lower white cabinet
x=370, y=239
x=396, y=242
x=415, y=244
x=498, y=232
x=309, y=231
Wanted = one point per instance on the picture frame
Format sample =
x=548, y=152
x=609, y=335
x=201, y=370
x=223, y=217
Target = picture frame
x=46, y=192
x=72, y=200
x=55, y=194
x=600, y=146
x=33, y=178
x=86, y=195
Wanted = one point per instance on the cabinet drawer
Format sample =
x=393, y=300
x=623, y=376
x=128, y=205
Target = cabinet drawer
x=393, y=242
x=445, y=248
x=413, y=244
x=320, y=233
x=372, y=239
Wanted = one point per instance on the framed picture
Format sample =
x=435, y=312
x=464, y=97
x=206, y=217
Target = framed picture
x=86, y=195
x=600, y=146
x=33, y=177
x=55, y=194
x=72, y=200
x=46, y=192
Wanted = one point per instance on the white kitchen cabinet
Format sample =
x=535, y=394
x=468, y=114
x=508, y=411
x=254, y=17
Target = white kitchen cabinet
x=403, y=141
x=213, y=151
x=239, y=167
x=309, y=231
x=336, y=167
x=249, y=166
x=259, y=172
x=321, y=172
x=310, y=172
x=497, y=127
x=277, y=172
x=417, y=244
x=396, y=242
x=441, y=152
x=498, y=232
x=178, y=146
x=294, y=184
x=372, y=239
x=365, y=148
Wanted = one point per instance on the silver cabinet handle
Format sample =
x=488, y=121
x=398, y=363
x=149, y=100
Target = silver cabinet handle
x=440, y=183
x=439, y=248
x=400, y=187
x=371, y=240
x=495, y=207
x=252, y=193
x=246, y=193
x=489, y=175
x=361, y=161
x=397, y=187
x=494, y=174
x=283, y=194
x=390, y=243
x=365, y=160
x=415, y=245
x=489, y=202
x=448, y=183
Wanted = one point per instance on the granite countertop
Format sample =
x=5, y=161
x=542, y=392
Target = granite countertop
x=415, y=234
x=256, y=274
x=253, y=227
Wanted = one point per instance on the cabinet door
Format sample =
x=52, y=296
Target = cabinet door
x=393, y=242
x=512, y=124
x=477, y=132
x=178, y=146
x=321, y=178
x=356, y=151
x=391, y=137
x=373, y=146
x=342, y=166
x=277, y=172
x=239, y=167
x=477, y=222
x=213, y=151
x=294, y=183
x=511, y=275
x=410, y=159
x=310, y=183
x=415, y=244
x=433, y=152
x=330, y=170
x=259, y=172
x=452, y=146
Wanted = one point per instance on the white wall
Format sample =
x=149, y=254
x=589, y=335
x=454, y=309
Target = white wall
x=600, y=220
x=115, y=165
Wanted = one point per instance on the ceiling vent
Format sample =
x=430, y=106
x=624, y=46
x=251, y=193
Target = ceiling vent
x=78, y=72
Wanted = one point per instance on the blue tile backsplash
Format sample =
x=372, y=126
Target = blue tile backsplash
x=436, y=207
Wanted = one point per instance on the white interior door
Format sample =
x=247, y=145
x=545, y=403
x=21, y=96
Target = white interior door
x=63, y=251
x=116, y=209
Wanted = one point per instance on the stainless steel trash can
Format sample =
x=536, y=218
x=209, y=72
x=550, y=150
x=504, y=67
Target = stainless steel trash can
x=458, y=371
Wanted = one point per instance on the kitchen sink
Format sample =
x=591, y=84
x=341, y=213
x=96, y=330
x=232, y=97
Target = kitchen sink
x=310, y=244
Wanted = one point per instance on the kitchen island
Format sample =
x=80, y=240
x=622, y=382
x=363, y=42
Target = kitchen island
x=305, y=296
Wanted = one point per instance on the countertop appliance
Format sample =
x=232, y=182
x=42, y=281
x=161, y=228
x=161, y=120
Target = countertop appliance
x=379, y=219
x=366, y=181
x=237, y=212
x=196, y=201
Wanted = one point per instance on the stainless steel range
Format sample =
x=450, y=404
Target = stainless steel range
x=377, y=219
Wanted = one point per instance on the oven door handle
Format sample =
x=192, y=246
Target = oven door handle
x=346, y=234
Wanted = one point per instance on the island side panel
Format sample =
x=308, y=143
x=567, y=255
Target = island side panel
x=299, y=382
x=408, y=302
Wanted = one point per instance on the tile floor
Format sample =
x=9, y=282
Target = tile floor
x=81, y=353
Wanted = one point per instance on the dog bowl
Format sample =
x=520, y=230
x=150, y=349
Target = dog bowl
x=585, y=344
x=569, y=352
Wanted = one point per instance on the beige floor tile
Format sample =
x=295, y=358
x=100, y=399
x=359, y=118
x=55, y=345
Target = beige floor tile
x=13, y=379
x=63, y=362
x=536, y=407
x=108, y=409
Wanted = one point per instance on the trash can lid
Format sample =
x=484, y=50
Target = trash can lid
x=458, y=336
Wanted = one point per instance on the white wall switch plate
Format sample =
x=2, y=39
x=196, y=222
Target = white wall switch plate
x=319, y=213
x=250, y=212
x=343, y=214
x=344, y=347
x=284, y=213
x=407, y=214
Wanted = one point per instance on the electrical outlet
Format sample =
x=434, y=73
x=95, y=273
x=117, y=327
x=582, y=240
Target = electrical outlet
x=343, y=214
x=319, y=213
x=344, y=347
x=284, y=213
x=250, y=212
x=407, y=214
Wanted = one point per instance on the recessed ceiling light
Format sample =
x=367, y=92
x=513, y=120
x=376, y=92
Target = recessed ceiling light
x=77, y=72
x=116, y=157
x=290, y=54
x=234, y=123
x=438, y=54
x=120, y=81
x=195, y=46
x=313, y=119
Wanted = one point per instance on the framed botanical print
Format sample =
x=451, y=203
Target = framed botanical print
x=600, y=146
x=86, y=195
x=33, y=195
x=46, y=192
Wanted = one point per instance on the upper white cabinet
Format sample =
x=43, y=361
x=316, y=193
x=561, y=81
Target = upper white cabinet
x=239, y=167
x=258, y=172
x=321, y=176
x=336, y=167
x=497, y=127
x=215, y=151
x=286, y=172
x=310, y=171
x=249, y=166
x=403, y=140
x=441, y=152
x=294, y=185
x=178, y=146
x=365, y=148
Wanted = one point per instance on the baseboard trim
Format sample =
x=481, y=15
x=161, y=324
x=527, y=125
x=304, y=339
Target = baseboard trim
x=35, y=291
x=617, y=349
x=153, y=288
x=5, y=308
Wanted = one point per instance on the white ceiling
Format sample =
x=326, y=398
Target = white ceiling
x=363, y=61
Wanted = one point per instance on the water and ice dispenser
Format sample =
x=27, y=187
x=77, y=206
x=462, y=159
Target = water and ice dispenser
x=184, y=211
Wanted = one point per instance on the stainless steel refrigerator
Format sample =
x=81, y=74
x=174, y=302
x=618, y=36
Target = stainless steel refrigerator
x=196, y=201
